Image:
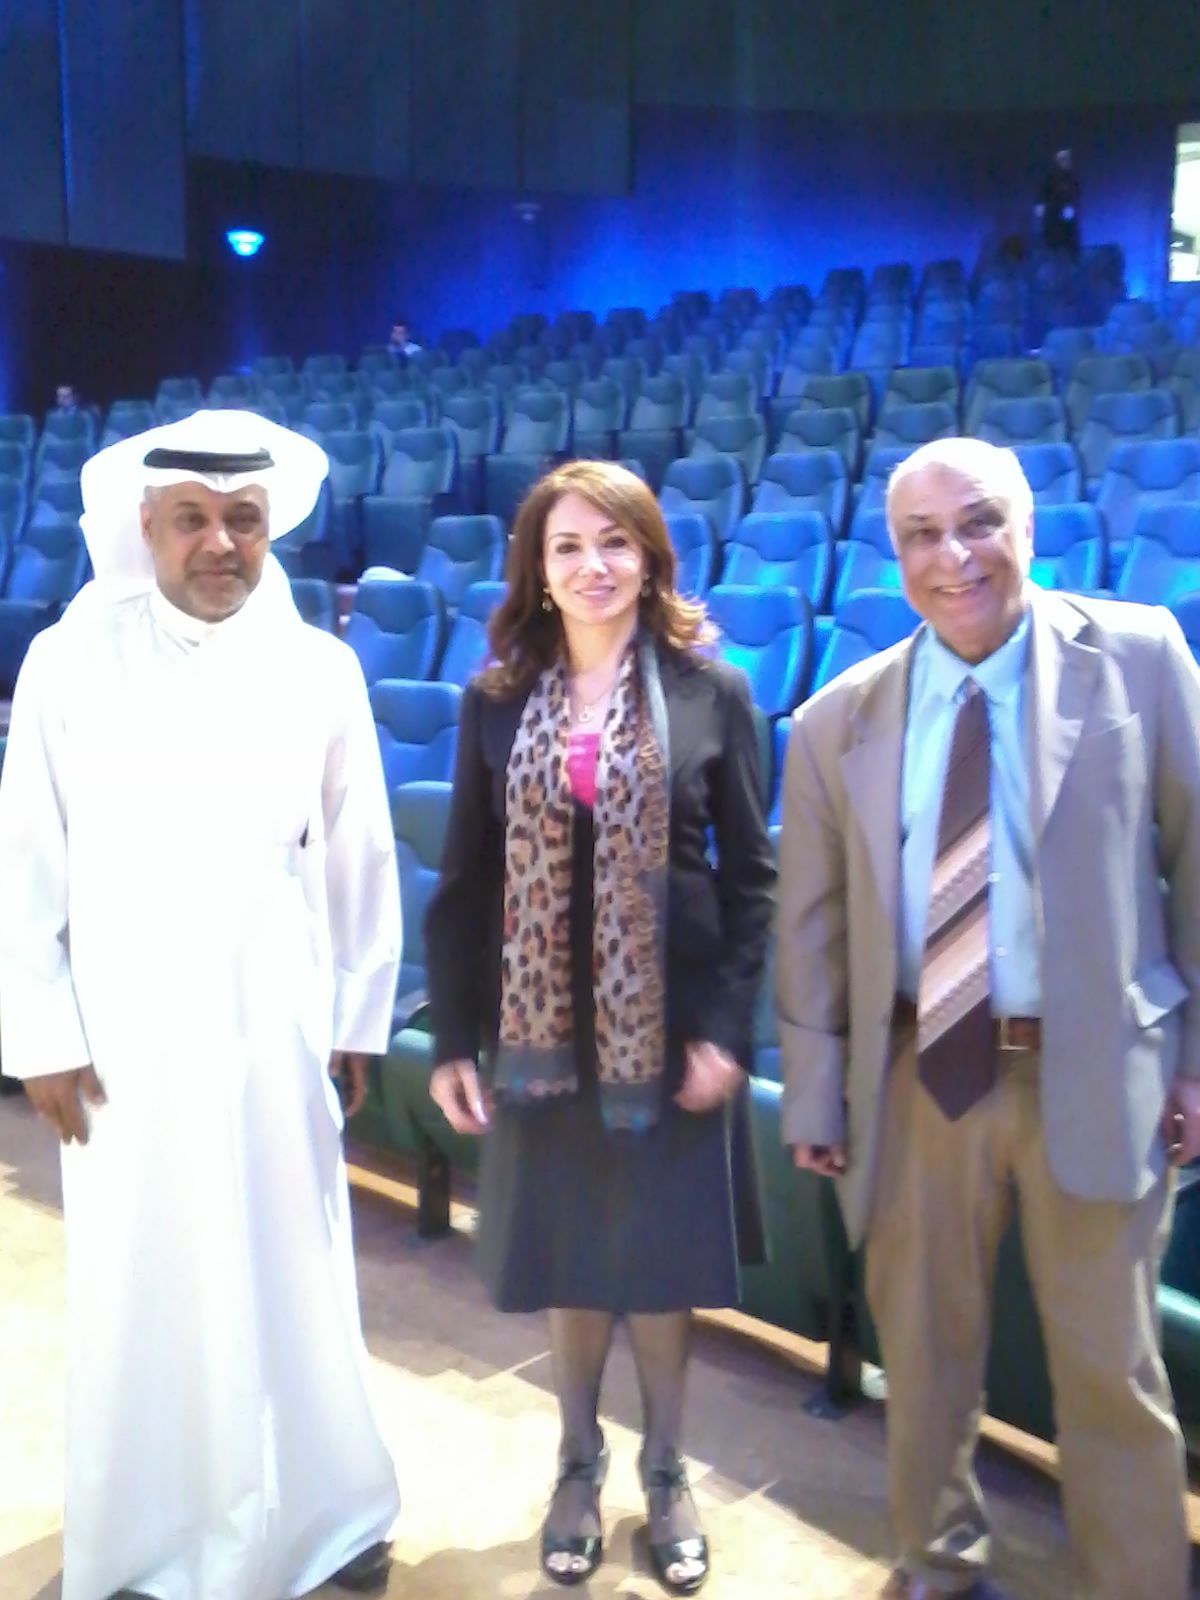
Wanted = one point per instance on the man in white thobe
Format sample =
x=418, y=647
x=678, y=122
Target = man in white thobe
x=199, y=929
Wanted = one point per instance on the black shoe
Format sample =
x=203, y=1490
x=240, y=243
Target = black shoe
x=666, y=1555
x=584, y=1550
x=368, y=1572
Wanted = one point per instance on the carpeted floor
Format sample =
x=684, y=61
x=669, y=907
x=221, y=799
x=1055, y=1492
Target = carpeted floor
x=794, y=1506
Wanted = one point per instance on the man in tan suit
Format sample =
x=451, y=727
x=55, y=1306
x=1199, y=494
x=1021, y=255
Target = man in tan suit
x=988, y=988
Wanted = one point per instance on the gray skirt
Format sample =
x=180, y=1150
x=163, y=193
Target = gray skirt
x=573, y=1215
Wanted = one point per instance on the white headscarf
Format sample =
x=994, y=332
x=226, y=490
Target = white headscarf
x=114, y=482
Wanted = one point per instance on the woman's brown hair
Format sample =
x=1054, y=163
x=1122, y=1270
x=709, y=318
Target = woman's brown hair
x=524, y=638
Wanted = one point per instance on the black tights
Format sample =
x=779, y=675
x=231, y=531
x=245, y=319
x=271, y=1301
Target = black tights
x=579, y=1346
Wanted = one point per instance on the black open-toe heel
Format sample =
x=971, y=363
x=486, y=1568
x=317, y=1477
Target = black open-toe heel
x=668, y=1556
x=579, y=1553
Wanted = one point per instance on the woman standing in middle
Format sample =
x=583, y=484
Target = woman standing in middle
x=583, y=942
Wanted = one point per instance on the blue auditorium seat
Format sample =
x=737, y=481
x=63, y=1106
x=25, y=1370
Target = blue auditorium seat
x=355, y=463
x=54, y=500
x=910, y=426
x=656, y=422
x=847, y=390
x=836, y=429
x=419, y=814
x=417, y=724
x=423, y=464
x=44, y=570
x=714, y=487
x=882, y=460
x=321, y=363
x=1187, y=614
x=285, y=388
x=741, y=439
x=13, y=507
x=1184, y=383
x=459, y=552
x=397, y=414
x=1117, y=419
x=1040, y=419
x=768, y=633
x=696, y=553
x=566, y=375
x=393, y=383
x=16, y=427
x=447, y=381
x=1064, y=348
x=474, y=419
x=781, y=730
x=394, y=530
x=726, y=394
x=920, y=386
x=316, y=601
x=627, y=373
x=598, y=413
x=1070, y=547
x=814, y=481
x=125, y=418
x=1146, y=474
x=265, y=367
x=179, y=391
x=1095, y=375
x=1154, y=340
x=1163, y=559
x=1003, y=380
x=865, y=622
x=232, y=389
x=341, y=387
x=782, y=550
x=396, y=628
x=867, y=559
x=539, y=423
x=689, y=368
x=70, y=428
x=755, y=365
x=1053, y=472
x=507, y=480
x=327, y=416
x=59, y=459
x=466, y=646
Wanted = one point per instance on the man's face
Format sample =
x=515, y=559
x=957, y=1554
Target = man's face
x=65, y=397
x=1063, y=160
x=208, y=548
x=400, y=333
x=963, y=559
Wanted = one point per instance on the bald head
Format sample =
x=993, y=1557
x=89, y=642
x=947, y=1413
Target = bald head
x=960, y=514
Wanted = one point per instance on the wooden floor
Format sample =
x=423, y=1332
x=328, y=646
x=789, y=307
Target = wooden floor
x=794, y=1506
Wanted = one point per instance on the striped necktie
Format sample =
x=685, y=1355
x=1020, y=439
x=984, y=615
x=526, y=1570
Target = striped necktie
x=955, y=1038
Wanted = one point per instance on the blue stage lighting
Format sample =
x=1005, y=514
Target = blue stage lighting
x=244, y=241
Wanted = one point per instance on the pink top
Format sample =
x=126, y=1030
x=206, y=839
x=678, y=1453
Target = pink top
x=583, y=751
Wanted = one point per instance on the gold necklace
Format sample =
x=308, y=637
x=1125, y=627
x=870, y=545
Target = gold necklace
x=587, y=708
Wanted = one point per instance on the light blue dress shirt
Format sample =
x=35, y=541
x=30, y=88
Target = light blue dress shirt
x=936, y=691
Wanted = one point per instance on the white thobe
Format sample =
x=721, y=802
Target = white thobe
x=198, y=895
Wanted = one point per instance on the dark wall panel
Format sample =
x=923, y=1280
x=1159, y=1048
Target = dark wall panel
x=576, y=76
x=31, y=156
x=243, y=80
x=356, y=87
x=124, y=125
x=466, y=92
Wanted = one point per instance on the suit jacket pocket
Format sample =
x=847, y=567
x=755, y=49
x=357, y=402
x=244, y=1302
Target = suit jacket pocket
x=1155, y=993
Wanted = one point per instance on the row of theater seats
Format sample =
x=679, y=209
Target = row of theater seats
x=812, y=1284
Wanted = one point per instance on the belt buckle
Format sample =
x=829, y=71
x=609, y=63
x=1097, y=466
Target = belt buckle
x=1004, y=1039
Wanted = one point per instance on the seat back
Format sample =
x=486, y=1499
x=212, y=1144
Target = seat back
x=661, y=403
x=396, y=628
x=782, y=550
x=328, y=416
x=1053, y=472
x=714, y=487
x=916, y=424
x=461, y=551
x=420, y=812
x=1095, y=375
x=836, y=429
x=742, y=439
x=417, y=726
x=355, y=461
x=768, y=633
x=467, y=646
x=17, y=427
x=696, y=554
x=1114, y=419
x=1163, y=560
x=48, y=565
x=1040, y=419
x=316, y=601
x=423, y=463
x=538, y=424
x=1003, y=379
x=913, y=386
x=1148, y=473
x=726, y=394
x=866, y=622
x=1070, y=547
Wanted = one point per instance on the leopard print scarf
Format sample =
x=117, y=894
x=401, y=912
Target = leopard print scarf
x=537, y=1052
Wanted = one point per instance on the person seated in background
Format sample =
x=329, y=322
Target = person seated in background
x=401, y=344
x=581, y=944
x=985, y=997
x=66, y=401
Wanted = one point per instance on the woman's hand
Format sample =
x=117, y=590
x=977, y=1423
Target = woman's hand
x=454, y=1088
x=710, y=1077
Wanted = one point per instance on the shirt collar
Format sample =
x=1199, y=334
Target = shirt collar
x=998, y=675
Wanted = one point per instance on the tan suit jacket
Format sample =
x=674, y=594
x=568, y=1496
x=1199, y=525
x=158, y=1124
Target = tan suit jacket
x=1112, y=713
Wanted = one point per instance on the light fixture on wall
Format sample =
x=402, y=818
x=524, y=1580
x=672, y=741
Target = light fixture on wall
x=244, y=241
